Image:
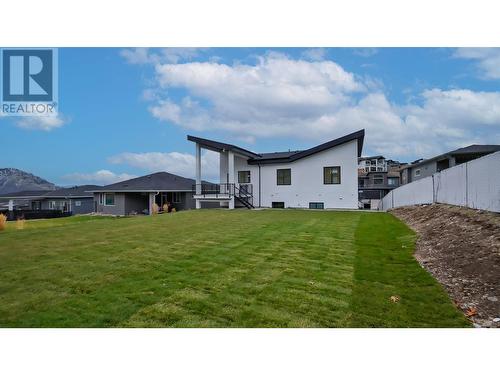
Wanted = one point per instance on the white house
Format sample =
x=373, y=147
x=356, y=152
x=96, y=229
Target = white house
x=324, y=176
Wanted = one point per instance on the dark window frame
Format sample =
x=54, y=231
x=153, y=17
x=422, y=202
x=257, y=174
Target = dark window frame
x=283, y=179
x=277, y=204
x=247, y=174
x=332, y=182
x=316, y=205
x=106, y=199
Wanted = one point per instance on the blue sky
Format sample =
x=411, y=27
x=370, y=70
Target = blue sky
x=126, y=112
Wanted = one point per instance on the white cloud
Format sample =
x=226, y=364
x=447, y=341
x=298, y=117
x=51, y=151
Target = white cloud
x=46, y=123
x=488, y=60
x=101, y=177
x=318, y=101
x=172, y=55
x=182, y=164
x=314, y=54
x=365, y=52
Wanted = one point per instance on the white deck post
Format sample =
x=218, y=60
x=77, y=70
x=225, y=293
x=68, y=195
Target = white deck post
x=230, y=170
x=198, y=174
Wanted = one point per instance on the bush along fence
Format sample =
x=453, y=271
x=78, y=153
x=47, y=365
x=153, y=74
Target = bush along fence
x=475, y=184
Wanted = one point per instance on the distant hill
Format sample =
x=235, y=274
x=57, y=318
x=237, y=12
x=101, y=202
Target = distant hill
x=13, y=180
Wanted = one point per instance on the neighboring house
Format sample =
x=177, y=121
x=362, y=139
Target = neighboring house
x=324, y=176
x=424, y=168
x=376, y=177
x=137, y=195
x=75, y=200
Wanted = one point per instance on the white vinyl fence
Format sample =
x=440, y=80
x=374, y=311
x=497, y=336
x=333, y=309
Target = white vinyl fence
x=475, y=184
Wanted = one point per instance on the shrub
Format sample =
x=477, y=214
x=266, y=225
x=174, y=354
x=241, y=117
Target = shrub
x=155, y=209
x=3, y=220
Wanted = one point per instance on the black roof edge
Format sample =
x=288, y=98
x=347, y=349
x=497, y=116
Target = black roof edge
x=219, y=146
x=358, y=135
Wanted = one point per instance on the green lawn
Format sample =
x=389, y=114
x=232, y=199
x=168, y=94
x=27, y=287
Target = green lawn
x=219, y=268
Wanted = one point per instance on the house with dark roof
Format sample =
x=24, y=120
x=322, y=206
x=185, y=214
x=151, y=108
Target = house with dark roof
x=138, y=195
x=324, y=176
x=70, y=201
x=427, y=167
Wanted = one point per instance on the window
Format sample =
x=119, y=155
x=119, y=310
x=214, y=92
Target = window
x=52, y=205
x=101, y=199
x=176, y=197
x=367, y=162
x=316, y=205
x=367, y=169
x=373, y=169
x=378, y=179
x=392, y=181
x=284, y=176
x=243, y=177
x=278, y=204
x=331, y=175
x=417, y=172
x=78, y=203
x=109, y=199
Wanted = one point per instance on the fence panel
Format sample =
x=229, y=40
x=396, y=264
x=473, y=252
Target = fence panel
x=483, y=183
x=475, y=184
x=450, y=186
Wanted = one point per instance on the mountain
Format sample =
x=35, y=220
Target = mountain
x=13, y=180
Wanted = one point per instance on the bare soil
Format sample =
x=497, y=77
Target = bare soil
x=460, y=247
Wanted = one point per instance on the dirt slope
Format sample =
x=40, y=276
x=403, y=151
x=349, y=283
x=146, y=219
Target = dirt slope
x=460, y=247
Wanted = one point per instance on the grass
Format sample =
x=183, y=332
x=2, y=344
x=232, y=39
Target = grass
x=217, y=268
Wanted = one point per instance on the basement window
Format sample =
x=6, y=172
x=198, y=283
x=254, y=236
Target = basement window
x=278, y=204
x=316, y=205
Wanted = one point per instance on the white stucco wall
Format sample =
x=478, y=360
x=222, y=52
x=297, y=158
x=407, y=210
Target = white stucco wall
x=307, y=180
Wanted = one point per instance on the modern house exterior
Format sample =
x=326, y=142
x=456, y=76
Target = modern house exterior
x=137, y=195
x=376, y=177
x=324, y=176
x=70, y=201
x=427, y=167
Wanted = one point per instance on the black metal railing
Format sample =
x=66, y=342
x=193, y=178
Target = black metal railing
x=213, y=190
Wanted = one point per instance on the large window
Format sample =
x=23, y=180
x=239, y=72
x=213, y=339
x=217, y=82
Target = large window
x=52, y=205
x=278, y=204
x=109, y=199
x=284, y=176
x=243, y=177
x=331, y=175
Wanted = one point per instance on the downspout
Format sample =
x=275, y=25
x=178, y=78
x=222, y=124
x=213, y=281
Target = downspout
x=260, y=191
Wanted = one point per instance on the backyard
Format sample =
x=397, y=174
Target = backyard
x=219, y=268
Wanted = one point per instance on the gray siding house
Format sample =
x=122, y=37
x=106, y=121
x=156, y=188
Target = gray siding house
x=75, y=200
x=428, y=167
x=137, y=195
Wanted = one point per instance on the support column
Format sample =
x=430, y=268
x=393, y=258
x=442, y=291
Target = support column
x=230, y=167
x=150, y=209
x=198, y=174
x=11, y=209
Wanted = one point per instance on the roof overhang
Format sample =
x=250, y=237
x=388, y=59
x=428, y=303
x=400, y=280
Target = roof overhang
x=220, y=146
x=358, y=136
